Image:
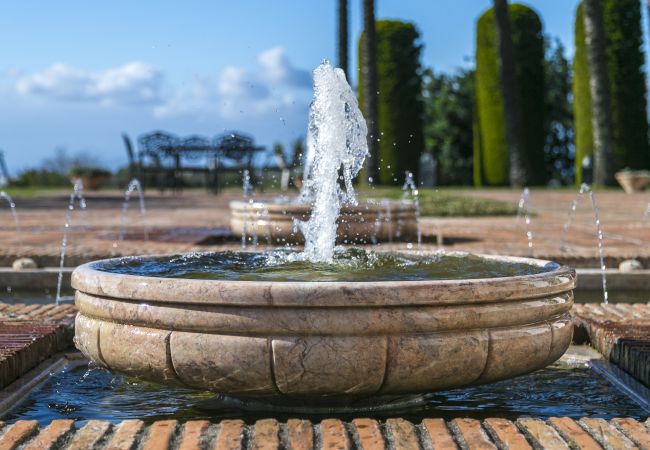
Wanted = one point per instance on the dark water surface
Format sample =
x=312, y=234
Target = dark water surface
x=615, y=295
x=97, y=394
x=29, y=296
x=348, y=265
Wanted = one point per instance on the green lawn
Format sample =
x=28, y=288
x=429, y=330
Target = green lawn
x=34, y=191
x=443, y=204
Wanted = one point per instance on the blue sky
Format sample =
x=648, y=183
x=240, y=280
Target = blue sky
x=75, y=74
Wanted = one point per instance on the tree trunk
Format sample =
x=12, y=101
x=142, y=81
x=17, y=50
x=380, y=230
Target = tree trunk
x=369, y=106
x=342, y=37
x=600, y=96
x=519, y=173
x=648, y=4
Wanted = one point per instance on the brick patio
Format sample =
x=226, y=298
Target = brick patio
x=367, y=434
x=621, y=333
x=31, y=333
x=48, y=313
x=192, y=214
x=24, y=344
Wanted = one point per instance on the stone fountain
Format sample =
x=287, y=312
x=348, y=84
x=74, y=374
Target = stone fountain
x=364, y=223
x=301, y=325
x=369, y=221
x=323, y=338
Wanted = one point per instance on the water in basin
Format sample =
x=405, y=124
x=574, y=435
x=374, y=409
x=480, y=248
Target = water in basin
x=346, y=265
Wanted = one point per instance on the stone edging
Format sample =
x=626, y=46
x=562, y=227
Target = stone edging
x=25, y=344
x=591, y=279
x=45, y=278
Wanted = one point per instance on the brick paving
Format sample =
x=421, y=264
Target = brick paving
x=47, y=313
x=178, y=222
x=25, y=344
x=29, y=334
x=94, y=231
x=625, y=236
x=620, y=332
x=366, y=434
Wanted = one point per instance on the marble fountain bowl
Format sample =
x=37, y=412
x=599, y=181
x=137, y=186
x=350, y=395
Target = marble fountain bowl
x=281, y=339
x=384, y=221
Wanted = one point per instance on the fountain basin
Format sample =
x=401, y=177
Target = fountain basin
x=384, y=221
x=316, y=339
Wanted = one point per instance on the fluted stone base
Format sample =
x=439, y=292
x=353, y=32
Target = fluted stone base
x=323, y=338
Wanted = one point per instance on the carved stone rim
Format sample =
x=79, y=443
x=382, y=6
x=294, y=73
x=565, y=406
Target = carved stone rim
x=87, y=278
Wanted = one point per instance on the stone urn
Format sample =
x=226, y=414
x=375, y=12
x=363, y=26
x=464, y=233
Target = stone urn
x=321, y=339
x=633, y=180
x=383, y=221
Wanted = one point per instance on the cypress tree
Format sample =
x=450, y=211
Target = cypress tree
x=512, y=109
x=528, y=46
x=625, y=60
x=584, y=137
x=601, y=109
x=477, y=165
x=400, y=108
x=368, y=90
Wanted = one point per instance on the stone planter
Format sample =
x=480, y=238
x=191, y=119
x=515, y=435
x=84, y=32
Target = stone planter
x=90, y=182
x=318, y=339
x=633, y=180
x=384, y=221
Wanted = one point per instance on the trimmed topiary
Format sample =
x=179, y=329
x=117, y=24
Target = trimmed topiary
x=477, y=165
x=584, y=138
x=528, y=43
x=625, y=60
x=401, y=138
x=622, y=22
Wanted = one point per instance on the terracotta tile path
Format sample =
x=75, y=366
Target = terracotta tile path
x=367, y=434
x=179, y=221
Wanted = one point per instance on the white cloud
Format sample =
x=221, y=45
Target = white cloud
x=237, y=82
x=80, y=108
x=275, y=85
x=277, y=69
x=134, y=83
